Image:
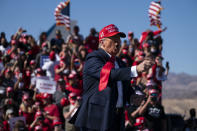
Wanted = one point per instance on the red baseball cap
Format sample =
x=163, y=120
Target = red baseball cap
x=38, y=128
x=47, y=96
x=139, y=121
x=32, y=62
x=151, y=91
x=110, y=30
x=64, y=102
x=72, y=94
x=9, y=89
x=124, y=51
x=52, y=55
x=146, y=45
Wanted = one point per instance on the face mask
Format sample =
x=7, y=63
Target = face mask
x=77, y=64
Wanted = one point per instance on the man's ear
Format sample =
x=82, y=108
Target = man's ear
x=101, y=43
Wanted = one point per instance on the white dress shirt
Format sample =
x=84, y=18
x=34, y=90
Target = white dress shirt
x=119, y=103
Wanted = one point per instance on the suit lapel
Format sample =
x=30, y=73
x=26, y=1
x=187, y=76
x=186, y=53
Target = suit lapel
x=105, y=57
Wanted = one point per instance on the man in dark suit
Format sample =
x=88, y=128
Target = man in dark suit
x=106, y=85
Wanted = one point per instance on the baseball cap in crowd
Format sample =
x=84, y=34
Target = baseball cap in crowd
x=110, y=30
x=139, y=121
x=124, y=51
x=32, y=62
x=153, y=92
x=47, y=96
x=9, y=89
x=52, y=55
x=64, y=101
x=146, y=45
x=38, y=128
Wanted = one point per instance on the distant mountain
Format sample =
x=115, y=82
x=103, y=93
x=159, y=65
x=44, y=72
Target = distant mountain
x=180, y=94
x=180, y=86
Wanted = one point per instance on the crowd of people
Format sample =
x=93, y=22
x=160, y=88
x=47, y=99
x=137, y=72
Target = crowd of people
x=23, y=60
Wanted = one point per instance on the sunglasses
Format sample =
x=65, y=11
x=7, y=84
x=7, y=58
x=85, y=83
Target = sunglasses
x=74, y=97
x=154, y=94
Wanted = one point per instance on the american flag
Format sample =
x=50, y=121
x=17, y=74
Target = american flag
x=62, y=14
x=154, y=13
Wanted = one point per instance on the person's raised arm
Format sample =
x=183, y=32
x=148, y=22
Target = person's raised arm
x=144, y=107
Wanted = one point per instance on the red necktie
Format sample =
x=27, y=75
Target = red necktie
x=105, y=72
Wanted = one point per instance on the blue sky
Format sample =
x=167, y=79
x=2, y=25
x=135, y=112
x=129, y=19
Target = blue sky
x=179, y=16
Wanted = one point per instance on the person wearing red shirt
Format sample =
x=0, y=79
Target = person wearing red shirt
x=51, y=111
x=73, y=84
x=26, y=109
x=60, y=70
x=38, y=124
x=149, y=34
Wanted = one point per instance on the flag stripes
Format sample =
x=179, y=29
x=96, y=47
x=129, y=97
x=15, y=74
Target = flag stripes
x=154, y=14
x=62, y=14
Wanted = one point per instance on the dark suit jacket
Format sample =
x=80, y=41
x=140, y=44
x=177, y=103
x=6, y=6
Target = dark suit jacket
x=97, y=108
